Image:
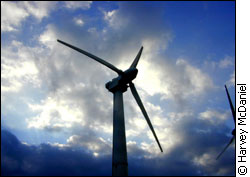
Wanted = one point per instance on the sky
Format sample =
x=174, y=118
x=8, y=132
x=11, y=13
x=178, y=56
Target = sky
x=56, y=114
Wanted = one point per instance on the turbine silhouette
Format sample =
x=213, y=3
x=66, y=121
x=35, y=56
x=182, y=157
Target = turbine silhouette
x=233, y=132
x=117, y=86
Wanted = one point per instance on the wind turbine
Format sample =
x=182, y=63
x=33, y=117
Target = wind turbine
x=233, y=132
x=117, y=86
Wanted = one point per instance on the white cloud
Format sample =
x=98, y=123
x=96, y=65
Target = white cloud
x=49, y=37
x=231, y=81
x=11, y=16
x=175, y=81
x=18, y=67
x=78, y=4
x=78, y=21
x=39, y=9
x=114, y=20
x=92, y=142
x=226, y=62
x=213, y=116
x=198, y=80
x=14, y=13
x=179, y=116
x=140, y=123
x=54, y=114
x=205, y=159
x=209, y=163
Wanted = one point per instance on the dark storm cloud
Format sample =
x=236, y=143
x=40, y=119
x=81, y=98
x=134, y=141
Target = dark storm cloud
x=204, y=142
x=195, y=155
x=21, y=159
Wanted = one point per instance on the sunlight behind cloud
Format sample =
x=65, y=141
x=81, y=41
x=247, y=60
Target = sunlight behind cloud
x=54, y=115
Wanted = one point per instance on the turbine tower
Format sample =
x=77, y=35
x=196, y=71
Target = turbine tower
x=118, y=86
x=233, y=132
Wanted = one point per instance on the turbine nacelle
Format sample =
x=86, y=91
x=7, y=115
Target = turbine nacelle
x=120, y=82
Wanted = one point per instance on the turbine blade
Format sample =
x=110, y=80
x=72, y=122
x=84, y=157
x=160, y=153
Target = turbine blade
x=134, y=64
x=231, y=105
x=93, y=57
x=225, y=148
x=138, y=100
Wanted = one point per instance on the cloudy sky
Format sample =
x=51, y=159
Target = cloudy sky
x=56, y=114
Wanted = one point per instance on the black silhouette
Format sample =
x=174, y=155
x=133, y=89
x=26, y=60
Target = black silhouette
x=234, y=117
